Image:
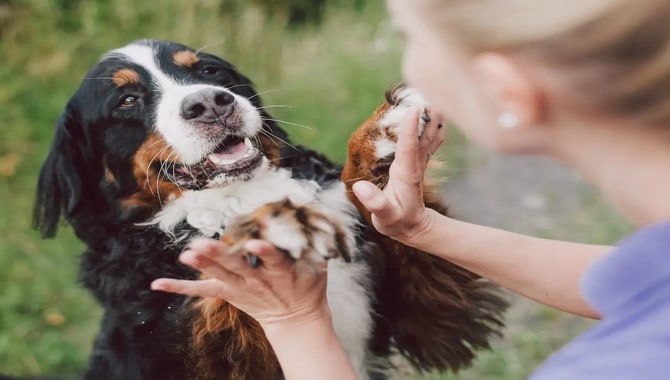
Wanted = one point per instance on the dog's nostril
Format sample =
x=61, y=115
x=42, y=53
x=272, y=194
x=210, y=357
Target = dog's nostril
x=223, y=98
x=207, y=104
x=191, y=110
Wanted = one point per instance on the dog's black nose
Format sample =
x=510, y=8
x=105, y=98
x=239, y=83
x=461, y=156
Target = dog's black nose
x=207, y=104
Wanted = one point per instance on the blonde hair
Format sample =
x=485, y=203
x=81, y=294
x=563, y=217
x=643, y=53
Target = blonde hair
x=614, y=54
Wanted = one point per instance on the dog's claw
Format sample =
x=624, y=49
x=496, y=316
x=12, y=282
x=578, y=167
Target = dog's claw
x=254, y=261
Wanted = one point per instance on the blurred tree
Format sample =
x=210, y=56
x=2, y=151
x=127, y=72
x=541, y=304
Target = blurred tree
x=5, y=15
x=299, y=12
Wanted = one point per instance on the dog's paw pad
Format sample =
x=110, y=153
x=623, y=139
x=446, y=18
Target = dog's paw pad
x=301, y=231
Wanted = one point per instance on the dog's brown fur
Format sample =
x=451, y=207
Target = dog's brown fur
x=435, y=313
x=432, y=308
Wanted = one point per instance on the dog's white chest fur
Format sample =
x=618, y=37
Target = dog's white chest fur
x=348, y=292
x=210, y=210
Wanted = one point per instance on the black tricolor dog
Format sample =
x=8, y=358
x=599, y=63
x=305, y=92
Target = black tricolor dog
x=162, y=143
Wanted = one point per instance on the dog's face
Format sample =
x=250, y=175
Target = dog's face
x=151, y=120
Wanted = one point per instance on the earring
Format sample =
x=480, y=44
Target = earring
x=508, y=120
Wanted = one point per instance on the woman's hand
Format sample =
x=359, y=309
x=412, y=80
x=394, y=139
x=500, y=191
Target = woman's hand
x=271, y=293
x=288, y=301
x=398, y=211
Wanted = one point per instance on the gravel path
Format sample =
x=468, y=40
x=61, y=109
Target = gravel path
x=522, y=194
x=527, y=195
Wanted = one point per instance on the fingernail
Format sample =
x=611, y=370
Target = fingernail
x=156, y=285
x=362, y=189
x=253, y=245
x=188, y=257
x=198, y=243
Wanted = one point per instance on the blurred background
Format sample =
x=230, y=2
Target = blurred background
x=321, y=66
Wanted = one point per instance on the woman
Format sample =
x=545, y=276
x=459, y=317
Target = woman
x=586, y=82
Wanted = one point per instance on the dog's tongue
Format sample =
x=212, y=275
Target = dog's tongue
x=229, y=155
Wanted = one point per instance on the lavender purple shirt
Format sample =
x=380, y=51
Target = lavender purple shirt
x=630, y=288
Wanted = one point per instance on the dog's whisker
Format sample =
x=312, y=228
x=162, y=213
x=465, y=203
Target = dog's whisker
x=174, y=168
x=239, y=85
x=274, y=106
x=200, y=49
x=151, y=161
x=97, y=78
x=266, y=92
x=291, y=123
x=161, y=171
x=270, y=136
x=165, y=163
x=274, y=139
x=204, y=171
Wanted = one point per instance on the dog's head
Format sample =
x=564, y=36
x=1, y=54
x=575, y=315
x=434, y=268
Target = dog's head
x=150, y=120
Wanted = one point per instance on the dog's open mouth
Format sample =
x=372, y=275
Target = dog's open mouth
x=233, y=158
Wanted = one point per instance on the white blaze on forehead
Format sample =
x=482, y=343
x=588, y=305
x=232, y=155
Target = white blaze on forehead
x=145, y=56
x=189, y=141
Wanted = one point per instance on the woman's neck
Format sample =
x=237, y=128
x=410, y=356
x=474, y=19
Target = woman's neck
x=629, y=163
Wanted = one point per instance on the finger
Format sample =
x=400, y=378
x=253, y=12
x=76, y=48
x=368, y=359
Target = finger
x=267, y=252
x=210, y=246
x=201, y=288
x=218, y=252
x=405, y=163
x=373, y=199
x=226, y=268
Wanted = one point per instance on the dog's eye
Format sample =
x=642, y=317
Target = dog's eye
x=128, y=100
x=209, y=70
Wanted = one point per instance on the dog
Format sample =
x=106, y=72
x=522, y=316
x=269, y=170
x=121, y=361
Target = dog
x=162, y=143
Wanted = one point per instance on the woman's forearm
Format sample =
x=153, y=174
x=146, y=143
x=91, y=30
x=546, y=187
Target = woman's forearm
x=544, y=270
x=309, y=350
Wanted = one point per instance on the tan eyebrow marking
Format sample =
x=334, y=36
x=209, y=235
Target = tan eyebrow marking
x=125, y=76
x=184, y=58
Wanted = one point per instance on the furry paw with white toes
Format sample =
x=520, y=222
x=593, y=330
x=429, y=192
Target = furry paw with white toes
x=301, y=231
x=399, y=100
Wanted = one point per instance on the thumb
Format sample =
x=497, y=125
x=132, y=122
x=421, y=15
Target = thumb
x=373, y=199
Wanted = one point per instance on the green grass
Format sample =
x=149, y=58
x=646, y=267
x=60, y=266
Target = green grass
x=326, y=80
x=331, y=79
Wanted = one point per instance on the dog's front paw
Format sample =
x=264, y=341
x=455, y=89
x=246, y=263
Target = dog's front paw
x=301, y=231
x=371, y=148
x=399, y=100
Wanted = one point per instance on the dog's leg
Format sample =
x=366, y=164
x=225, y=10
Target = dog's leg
x=302, y=232
x=371, y=147
x=434, y=313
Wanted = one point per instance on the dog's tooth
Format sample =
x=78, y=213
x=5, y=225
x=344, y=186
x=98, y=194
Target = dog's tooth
x=219, y=161
x=214, y=159
x=248, y=143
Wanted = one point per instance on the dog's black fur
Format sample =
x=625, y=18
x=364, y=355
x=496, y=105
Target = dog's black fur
x=86, y=178
x=140, y=335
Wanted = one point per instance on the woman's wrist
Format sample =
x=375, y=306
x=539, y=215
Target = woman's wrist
x=421, y=236
x=295, y=321
x=308, y=348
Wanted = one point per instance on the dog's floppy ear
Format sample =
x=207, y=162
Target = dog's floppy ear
x=60, y=186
